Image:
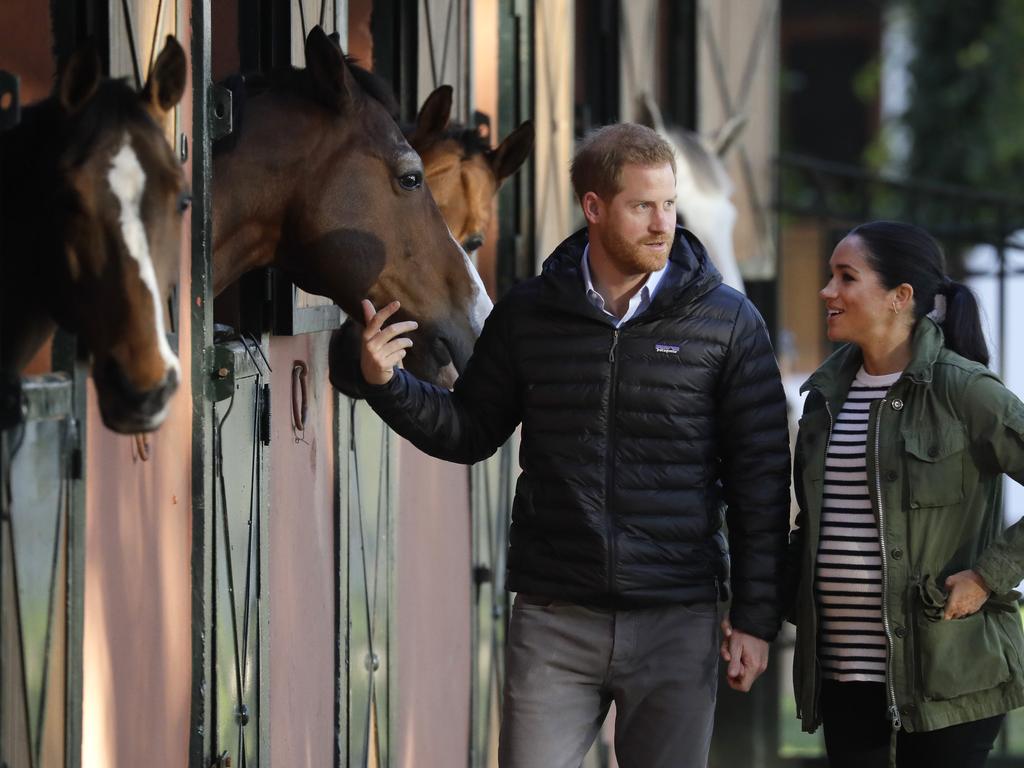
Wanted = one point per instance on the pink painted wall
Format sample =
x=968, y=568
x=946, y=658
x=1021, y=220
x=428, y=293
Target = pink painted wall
x=302, y=579
x=433, y=584
x=137, y=646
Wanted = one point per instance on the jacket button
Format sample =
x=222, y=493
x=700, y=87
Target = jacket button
x=897, y=404
x=897, y=554
x=933, y=451
x=890, y=475
x=901, y=632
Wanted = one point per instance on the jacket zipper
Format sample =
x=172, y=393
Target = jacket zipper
x=894, y=712
x=610, y=465
x=817, y=663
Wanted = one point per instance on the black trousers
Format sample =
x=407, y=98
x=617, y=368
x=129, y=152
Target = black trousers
x=857, y=733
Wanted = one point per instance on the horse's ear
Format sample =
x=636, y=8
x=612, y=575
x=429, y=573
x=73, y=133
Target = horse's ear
x=433, y=117
x=326, y=65
x=80, y=77
x=512, y=152
x=166, y=83
x=648, y=113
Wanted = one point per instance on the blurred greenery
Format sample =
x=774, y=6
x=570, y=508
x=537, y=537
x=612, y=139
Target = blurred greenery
x=967, y=105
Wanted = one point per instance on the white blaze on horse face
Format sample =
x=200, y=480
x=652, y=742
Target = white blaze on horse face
x=480, y=305
x=128, y=181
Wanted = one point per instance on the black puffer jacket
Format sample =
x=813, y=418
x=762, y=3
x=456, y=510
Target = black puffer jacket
x=633, y=441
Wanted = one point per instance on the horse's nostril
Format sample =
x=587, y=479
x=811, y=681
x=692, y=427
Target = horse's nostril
x=171, y=379
x=473, y=242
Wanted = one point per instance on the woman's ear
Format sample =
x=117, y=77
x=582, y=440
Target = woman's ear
x=903, y=296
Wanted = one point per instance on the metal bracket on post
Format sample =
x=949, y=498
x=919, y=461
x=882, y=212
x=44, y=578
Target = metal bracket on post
x=10, y=105
x=223, y=373
x=219, y=117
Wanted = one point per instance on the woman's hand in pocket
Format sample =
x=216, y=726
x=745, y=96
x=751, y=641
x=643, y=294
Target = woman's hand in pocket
x=967, y=593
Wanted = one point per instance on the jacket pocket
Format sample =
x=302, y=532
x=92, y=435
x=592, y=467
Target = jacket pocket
x=935, y=467
x=958, y=656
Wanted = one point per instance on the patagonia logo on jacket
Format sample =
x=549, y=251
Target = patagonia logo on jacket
x=667, y=349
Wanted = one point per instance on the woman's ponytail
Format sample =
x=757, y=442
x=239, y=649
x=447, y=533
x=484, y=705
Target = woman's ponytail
x=962, y=325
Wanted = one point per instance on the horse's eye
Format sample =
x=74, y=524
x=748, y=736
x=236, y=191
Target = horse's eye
x=184, y=201
x=411, y=181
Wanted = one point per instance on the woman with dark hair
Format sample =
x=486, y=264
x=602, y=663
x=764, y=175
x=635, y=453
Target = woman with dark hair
x=909, y=643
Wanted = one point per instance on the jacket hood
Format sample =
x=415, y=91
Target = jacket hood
x=834, y=375
x=693, y=274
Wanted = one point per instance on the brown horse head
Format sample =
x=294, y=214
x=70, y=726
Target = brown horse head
x=462, y=170
x=322, y=184
x=98, y=234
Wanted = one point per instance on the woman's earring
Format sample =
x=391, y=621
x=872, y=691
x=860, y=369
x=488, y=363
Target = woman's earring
x=894, y=307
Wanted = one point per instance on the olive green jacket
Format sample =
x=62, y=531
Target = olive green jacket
x=936, y=448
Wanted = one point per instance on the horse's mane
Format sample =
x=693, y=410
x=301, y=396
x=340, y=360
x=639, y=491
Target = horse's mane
x=468, y=139
x=115, y=102
x=296, y=81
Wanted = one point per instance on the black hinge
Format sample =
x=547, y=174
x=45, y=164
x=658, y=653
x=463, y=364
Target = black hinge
x=482, y=575
x=265, y=415
x=219, y=119
x=12, y=409
x=75, y=449
x=10, y=104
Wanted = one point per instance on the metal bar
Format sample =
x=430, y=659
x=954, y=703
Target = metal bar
x=342, y=478
x=156, y=34
x=430, y=44
x=131, y=43
x=939, y=189
x=391, y=669
x=302, y=18
x=200, y=717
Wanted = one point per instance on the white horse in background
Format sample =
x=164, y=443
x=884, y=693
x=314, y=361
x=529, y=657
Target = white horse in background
x=703, y=187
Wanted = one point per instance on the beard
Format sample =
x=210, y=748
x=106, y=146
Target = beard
x=632, y=257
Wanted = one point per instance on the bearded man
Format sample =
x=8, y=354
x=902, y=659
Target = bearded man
x=651, y=407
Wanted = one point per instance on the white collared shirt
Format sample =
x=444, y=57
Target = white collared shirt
x=638, y=302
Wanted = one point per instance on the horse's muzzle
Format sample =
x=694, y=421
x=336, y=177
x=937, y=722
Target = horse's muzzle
x=124, y=408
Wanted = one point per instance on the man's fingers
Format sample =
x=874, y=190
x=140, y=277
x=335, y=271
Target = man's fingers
x=368, y=312
x=374, y=321
x=736, y=664
x=389, y=332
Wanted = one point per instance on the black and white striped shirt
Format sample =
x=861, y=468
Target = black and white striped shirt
x=848, y=578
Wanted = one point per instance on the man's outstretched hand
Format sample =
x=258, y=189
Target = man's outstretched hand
x=747, y=656
x=382, y=348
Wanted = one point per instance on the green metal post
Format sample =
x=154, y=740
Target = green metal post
x=201, y=303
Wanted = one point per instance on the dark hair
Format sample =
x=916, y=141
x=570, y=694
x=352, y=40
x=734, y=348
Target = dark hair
x=597, y=166
x=905, y=253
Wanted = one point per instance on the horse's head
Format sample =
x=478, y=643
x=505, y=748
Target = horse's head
x=123, y=197
x=462, y=170
x=359, y=222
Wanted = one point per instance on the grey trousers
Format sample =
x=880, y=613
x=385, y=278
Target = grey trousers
x=565, y=664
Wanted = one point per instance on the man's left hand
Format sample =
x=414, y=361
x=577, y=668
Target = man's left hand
x=747, y=656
